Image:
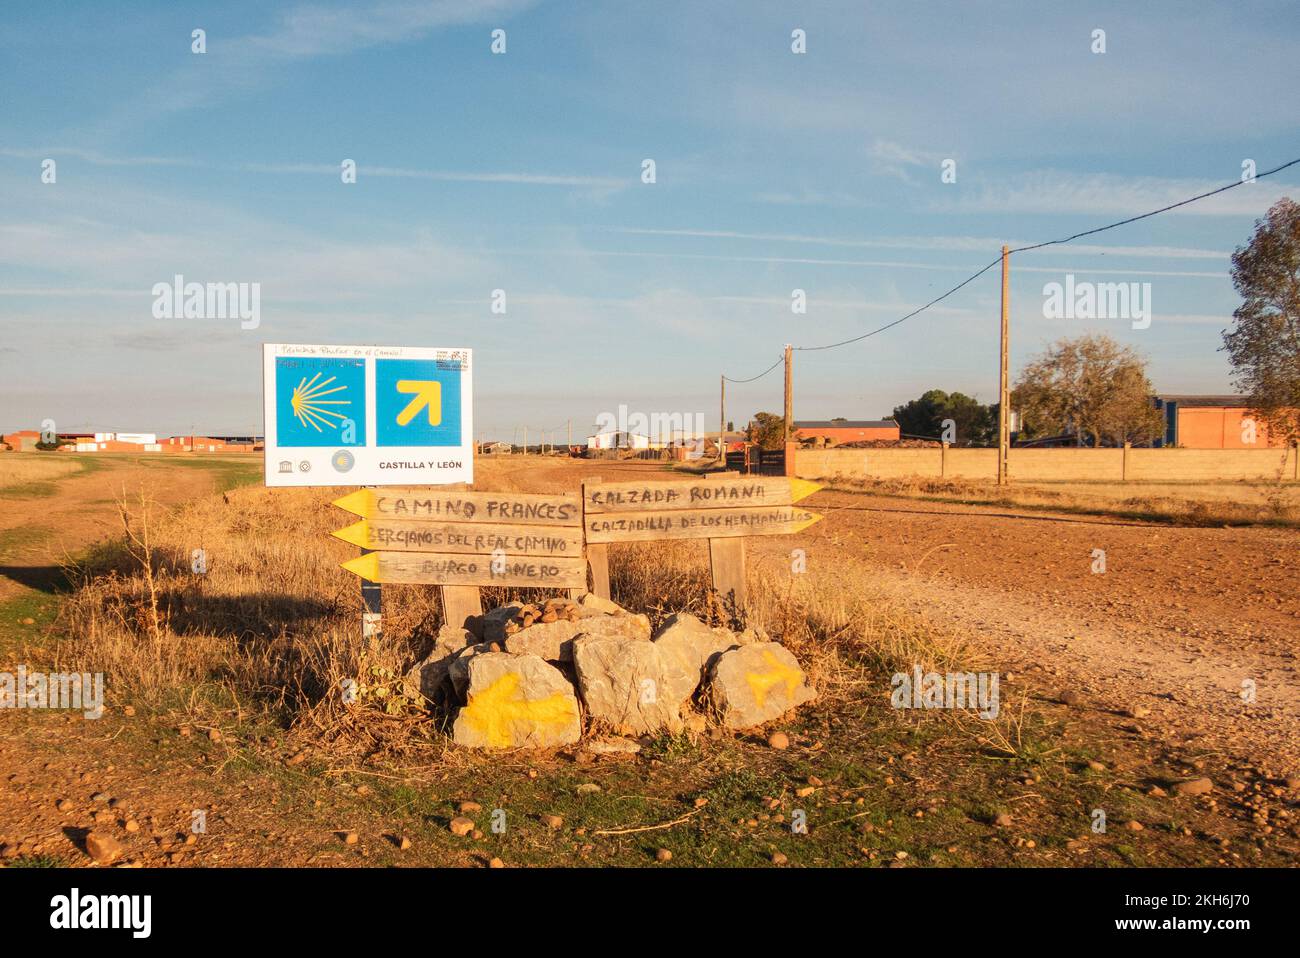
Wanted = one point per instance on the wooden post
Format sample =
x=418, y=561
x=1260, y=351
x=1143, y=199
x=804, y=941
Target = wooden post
x=597, y=553
x=943, y=461
x=727, y=567
x=789, y=394
x=1004, y=411
x=461, y=605
x=1123, y=472
x=722, y=425
x=372, y=603
x=372, y=617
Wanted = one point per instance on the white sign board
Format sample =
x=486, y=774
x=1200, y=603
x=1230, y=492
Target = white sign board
x=367, y=415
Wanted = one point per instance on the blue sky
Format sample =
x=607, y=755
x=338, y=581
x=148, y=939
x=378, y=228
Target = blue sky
x=521, y=172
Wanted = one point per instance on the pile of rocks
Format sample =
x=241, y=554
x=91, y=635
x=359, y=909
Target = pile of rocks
x=533, y=675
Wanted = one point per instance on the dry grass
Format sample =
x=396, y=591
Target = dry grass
x=16, y=468
x=273, y=626
x=1217, y=503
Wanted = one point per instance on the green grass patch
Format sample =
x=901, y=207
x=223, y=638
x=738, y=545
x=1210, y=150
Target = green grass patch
x=22, y=537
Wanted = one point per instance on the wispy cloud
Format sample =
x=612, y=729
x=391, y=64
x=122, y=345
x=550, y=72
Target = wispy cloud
x=96, y=158
x=940, y=243
x=319, y=30
x=1057, y=192
x=894, y=159
x=535, y=179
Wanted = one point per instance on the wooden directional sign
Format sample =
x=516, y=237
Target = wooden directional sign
x=697, y=523
x=509, y=507
x=721, y=509
x=739, y=492
x=480, y=538
x=453, y=538
x=438, y=568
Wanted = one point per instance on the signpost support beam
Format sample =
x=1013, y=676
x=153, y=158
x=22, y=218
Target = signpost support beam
x=597, y=553
x=727, y=567
x=1004, y=404
x=372, y=608
x=461, y=604
x=722, y=425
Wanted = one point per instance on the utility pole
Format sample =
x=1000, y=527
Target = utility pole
x=789, y=394
x=1004, y=404
x=570, y=442
x=722, y=424
x=525, y=440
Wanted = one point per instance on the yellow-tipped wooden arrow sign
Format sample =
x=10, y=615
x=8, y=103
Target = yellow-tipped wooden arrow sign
x=414, y=535
x=437, y=568
x=519, y=508
x=698, y=524
x=730, y=493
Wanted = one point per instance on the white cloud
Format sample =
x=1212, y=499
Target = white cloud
x=1108, y=194
x=318, y=30
x=946, y=243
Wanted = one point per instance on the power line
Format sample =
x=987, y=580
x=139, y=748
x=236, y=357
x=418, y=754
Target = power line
x=759, y=376
x=1163, y=209
x=1022, y=249
x=904, y=319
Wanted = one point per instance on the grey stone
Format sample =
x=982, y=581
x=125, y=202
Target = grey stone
x=494, y=622
x=628, y=627
x=552, y=641
x=757, y=683
x=458, y=666
x=593, y=604
x=624, y=684
x=690, y=647
x=516, y=701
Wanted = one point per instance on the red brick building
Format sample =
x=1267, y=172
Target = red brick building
x=839, y=431
x=1212, y=422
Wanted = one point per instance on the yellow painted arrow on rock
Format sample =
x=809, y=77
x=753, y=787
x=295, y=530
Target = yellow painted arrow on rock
x=495, y=711
x=427, y=393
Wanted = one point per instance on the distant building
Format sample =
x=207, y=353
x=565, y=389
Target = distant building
x=495, y=448
x=1211, y=422
x=616, y=439
x=847, y=430
x=24, y=440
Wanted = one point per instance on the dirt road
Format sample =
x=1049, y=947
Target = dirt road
x=1181, y=628
x=1187, y=623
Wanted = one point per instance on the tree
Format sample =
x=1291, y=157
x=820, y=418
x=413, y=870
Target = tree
x=974, y=423
x=1090, y=387
x=1264, y=344
x=768, y=430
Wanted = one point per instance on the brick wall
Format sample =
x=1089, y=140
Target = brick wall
x=1028, y=465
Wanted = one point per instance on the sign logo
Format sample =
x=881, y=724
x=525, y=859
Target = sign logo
x=315, y=397
x=417, y=402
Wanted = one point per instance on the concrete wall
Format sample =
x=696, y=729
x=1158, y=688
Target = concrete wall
x=1061, y=465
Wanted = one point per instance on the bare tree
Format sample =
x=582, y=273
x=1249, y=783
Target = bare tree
x=1090, y=387
x=1264, y=344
